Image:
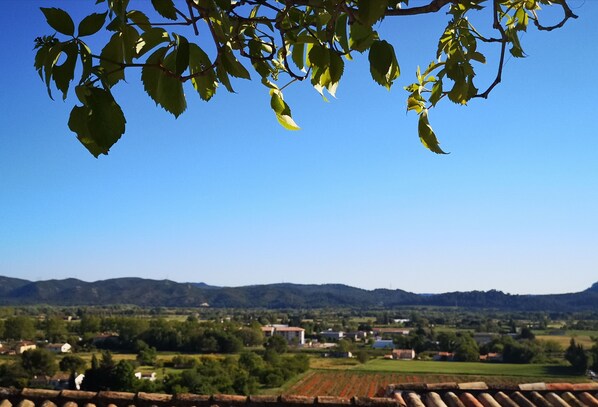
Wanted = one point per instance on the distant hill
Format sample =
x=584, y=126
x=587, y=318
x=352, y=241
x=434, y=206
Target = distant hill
x=151, y=293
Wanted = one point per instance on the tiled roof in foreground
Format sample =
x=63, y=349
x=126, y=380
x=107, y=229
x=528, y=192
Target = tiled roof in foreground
x=404, y=395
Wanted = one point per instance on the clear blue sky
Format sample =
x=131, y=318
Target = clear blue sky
x=225, y=196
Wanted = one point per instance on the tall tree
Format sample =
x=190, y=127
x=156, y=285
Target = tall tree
x=55, y=329
x=72, y=364
x=280, y=42
x=19, y=328
x=577, y=356
x=39, y=362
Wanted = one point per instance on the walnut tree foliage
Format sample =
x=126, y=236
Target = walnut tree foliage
x=204, y=45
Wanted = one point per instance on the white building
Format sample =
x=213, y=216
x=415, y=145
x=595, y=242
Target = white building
x=59, y=347
x=146, y=376
x=293, y=334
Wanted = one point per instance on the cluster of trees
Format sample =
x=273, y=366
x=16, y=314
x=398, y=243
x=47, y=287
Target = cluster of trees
x=580, y=358
x=161, y=334
x=208, y=375
x=170, y=335
x=51, y=328
x=38, y=362
x=522, y=348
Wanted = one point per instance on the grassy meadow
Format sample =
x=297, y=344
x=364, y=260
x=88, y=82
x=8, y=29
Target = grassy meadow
x=465, y=368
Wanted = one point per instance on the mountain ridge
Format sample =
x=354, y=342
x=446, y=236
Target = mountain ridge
x=149, y=293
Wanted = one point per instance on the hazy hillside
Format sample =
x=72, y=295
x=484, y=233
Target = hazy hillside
x=145, y=292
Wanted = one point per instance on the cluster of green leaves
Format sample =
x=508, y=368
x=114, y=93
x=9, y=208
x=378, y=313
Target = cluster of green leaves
x=282, y=41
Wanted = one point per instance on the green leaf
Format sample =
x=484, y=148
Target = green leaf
x=223, y=78
x=436, y=93
x=59, y=20
x=224, y=4
x=49, y=63
x=205, y=83
x=99, y=123
x=361, y=37
x=164, y=89
x=416, y=104
x=298, y=55
x=121, y=49
x=40, y=59
x=370, y=11
x=111, y=60
x=91, y=24
x=384, y=67
x=150, y=39
x=341, y=31
x=282, y=110
x=86, y=62
x=139, y=19
x=64, y=74
x=233, y=66
x=182, y=54
x=165, y=8
x=476, y=56
x=426, y=134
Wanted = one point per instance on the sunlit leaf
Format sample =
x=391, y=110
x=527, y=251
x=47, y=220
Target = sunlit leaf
x=370, y=11
x=204, y=82
x=165, y=89
x=282, y=110
x=426, y=134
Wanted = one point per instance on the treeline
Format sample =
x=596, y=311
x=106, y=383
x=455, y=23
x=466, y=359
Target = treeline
x=244, y=374
x=152, y=293
x=130, y=333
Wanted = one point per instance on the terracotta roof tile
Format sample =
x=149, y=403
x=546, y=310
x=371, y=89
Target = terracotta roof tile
x=413, y=399
x=588, y=399
x=476, y=394
x=539, y=400
x=521, y=400
x=77, y=395
x=374, y=401
x=442, y=386
x=559, y=386
x=433, y=399
x=452, y=400
x=469, y=400
x=556, y=400
x=473, y=386
x=26, y=403
x=487, y=400
x=532, y=386
x=571, y=399
x=297, y=399
x=586, y=386
x=504, y=400
x=333, y=401
x=186, y=399
x=400, y=400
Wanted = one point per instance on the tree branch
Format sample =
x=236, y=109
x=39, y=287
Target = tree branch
x=503, y=46
x=567, y=15
x=432, y=7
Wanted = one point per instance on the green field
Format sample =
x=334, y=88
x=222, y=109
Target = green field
x=465, y=368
